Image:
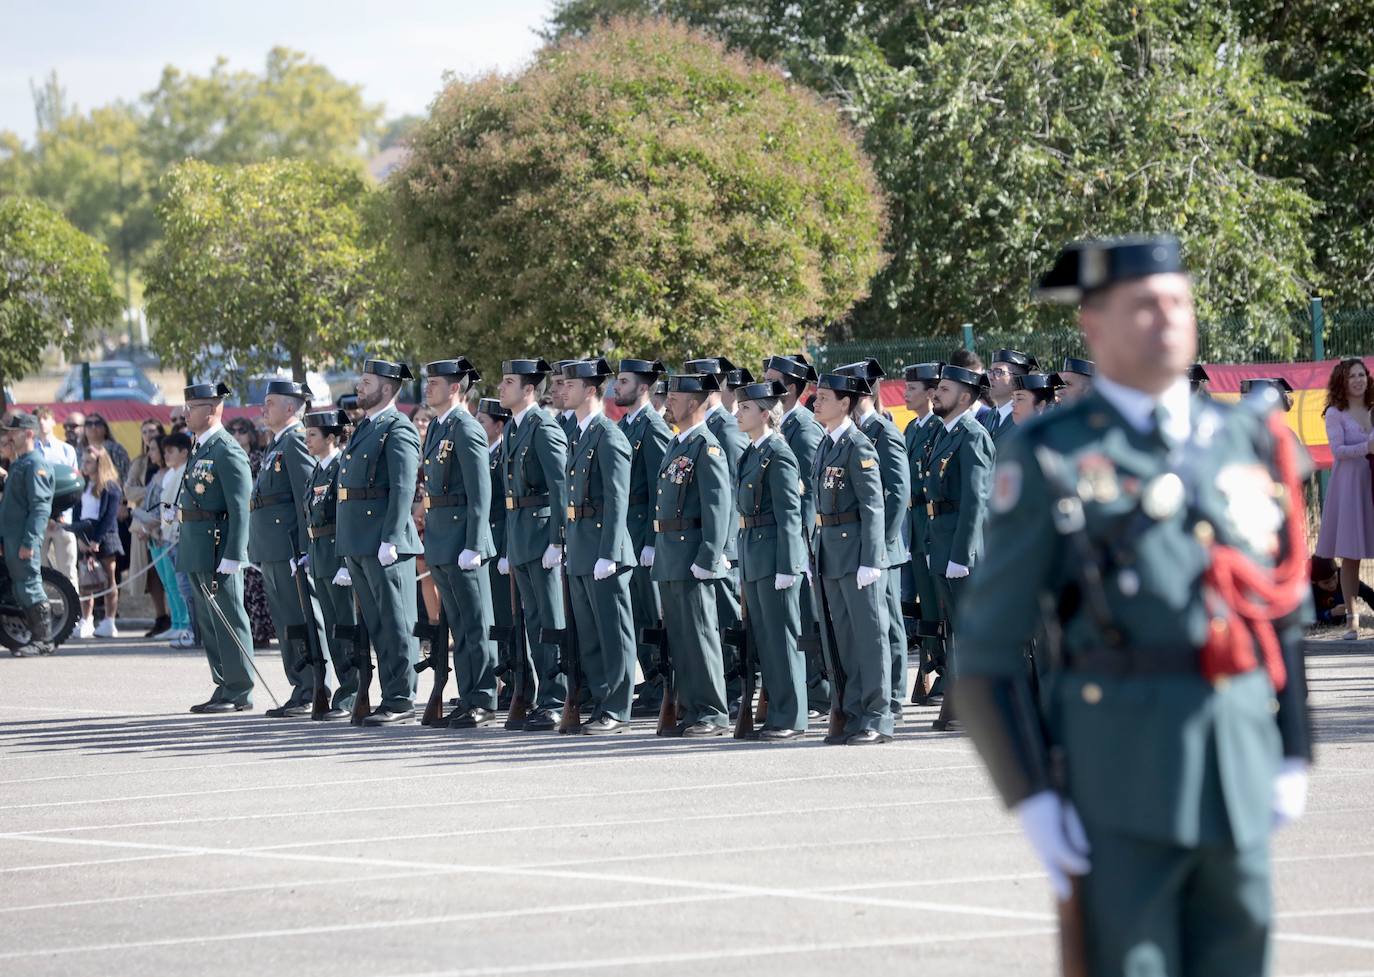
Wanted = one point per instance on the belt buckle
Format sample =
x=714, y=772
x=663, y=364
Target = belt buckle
x=572, y=513
x=741, y=523
x=510, y=502
x=818, y=520
x=657, y=529
x=343, y=495
x=930, y=510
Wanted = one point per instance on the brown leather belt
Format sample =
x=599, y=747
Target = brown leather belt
x=675, y=525
x=362, y=494
x=527, y=501
x=576, y=512
x=263, y=501
x=201, y=515
x=836, y=518
x=1136, y=661
x=444, y=501
x=763, y=519
x=934, y=509
x=319, y=532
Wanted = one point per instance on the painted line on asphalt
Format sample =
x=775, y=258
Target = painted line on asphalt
x=1311, y=938
x=1320, y=913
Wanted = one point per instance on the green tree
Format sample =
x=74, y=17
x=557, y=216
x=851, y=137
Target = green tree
x=55, y=285
x=640, y=190
x=267, y=264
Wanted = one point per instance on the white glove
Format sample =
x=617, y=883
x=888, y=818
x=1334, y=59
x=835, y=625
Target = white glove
x=866, y=576
x=342, y=578
x=807, y=570
x=304, y=561
x=503, y=566
x=781, y=581
x=603, y=569
x=955, y=571
x=646, y=556
x=701, y=574
x=552, y=556
x=229, y=566
x=469, y=560
x=1290, y=791
x=386, y=554
x=1053, y=828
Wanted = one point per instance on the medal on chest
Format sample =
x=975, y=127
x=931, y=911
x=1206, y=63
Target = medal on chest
x=1097, y=479
x=679, y=470
x=833, y=477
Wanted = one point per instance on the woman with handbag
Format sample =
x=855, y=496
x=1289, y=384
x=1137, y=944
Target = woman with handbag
x=97, y=538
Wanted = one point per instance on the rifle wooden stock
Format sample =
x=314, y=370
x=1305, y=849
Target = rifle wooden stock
x=744, y=719
x=437, y=634
x=1073, y=945
x=761, y=711
x=519, y=709
x=310, y=639
x=667, y=712
x=571, y=719
x=356, y=635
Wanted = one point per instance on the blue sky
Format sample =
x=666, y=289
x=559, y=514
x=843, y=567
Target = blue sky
x=398, y=50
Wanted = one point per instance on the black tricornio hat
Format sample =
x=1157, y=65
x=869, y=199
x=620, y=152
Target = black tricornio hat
x=845, y=383
x=661, y=387
x=597, y=369
x=693, y=383
x=526, y=368
x=868, y=368
x=1265, y=383
x=1084, y=267
x=206, y=391
x=714, y=365
x=925, y=372
x=738, y=377
x=21, y=421
x=493, y=409
x=388, y=369
x=958, y=374
x=287, y=388
x=1073, y=364
x=1036, y=381
x=328, y=421
x=347, y=402
x=794, y=367
x=768, y=390
x=1197, y=374
x=1016, y=358
x=459, y=367
x=645, y=368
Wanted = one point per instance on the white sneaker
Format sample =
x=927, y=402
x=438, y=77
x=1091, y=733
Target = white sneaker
x=184, y=639
x=167, y=635
x=106, y=629
x=86, y=629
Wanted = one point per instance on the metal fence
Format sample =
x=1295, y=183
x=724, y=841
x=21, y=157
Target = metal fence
x=1316, y=334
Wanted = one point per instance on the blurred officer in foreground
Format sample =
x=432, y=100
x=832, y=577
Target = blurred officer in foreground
x=25, y=509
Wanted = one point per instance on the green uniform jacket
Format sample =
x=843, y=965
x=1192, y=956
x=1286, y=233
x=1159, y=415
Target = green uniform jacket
x=769, y=485
x=496, y=512
x=321, y=509
x=847, y=480
x=598, y=479
x=958, y=479
x=693, y=485
x=382, y=459
x=536, y=454
x=895, y=471
x=725, y=429
x=457, y=474
x=276, y=532
x=648, y=437
x=218, y=480
x=803, y=434
x=26, y=505
x=1162, y=756
x=919, y=440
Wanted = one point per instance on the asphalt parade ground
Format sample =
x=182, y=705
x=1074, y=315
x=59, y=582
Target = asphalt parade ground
x=136, y=838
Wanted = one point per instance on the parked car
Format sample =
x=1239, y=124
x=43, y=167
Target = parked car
x=110, y=380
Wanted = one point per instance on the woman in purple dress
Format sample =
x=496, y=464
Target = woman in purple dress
x=1348, y=516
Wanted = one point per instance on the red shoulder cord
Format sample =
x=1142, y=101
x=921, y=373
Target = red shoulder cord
x=1248, y=598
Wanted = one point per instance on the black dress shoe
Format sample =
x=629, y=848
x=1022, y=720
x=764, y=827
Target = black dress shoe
x=336, y=712
x=215, y=706
x=160, y=625
x=836, y=739
x=866, y=737
x=470, y=718
x=775, y=735
x=946, y=726
x=541, y=721
x=288, y=711
x=602, y=725
x=703, y=728
x=385, y=717
x=644, y=709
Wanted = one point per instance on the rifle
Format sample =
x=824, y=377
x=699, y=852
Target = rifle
x=437, y=635
x=667, y=713
x=830, y=655
x=513, y=638
x=569, y=656
x=310, y=640
x=930, y=662
x=739, y=638
x=356, y=635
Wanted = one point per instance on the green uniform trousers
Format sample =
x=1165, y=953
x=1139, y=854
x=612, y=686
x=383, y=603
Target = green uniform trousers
x=644, y=604
x=859, y=621
x=817, y=685
x=726, y=591
x=387, y=598
x=1153, y=909
x=26, y=576
x=774, y=626
x=605, y=640
x=336, y=607
x=227, y=647
x=896, y=637
x=285, y=606
x=466, y=595
x=689, y=614
x=541, y=595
